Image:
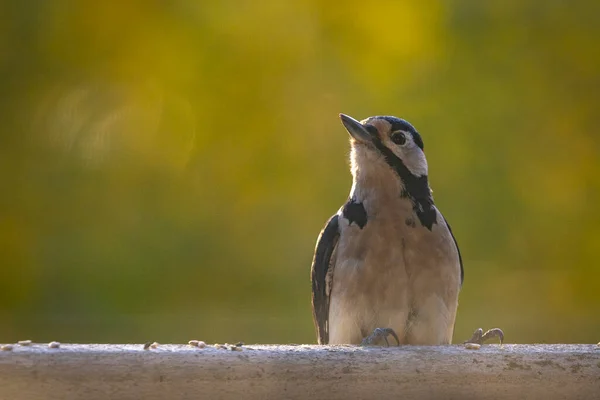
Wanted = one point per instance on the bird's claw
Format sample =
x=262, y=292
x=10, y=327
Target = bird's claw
x=379, y=333
x=479, y=337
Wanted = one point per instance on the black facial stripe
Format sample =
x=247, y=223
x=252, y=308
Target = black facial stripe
x=355, y=212
x=415, y=187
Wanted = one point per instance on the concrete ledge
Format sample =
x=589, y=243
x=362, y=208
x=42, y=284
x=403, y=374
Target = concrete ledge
x=77, y=371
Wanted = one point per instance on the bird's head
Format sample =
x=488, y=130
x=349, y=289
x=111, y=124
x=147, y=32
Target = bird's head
x=392, y=140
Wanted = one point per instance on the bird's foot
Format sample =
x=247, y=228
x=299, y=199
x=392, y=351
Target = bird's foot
x=380, y=333
x=479, y=337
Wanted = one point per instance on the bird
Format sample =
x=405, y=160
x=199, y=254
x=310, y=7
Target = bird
x=387, y=263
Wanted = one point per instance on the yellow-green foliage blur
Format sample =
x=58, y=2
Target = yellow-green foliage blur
x=166, y=166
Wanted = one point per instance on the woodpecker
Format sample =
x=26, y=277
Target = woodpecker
x=387, y=264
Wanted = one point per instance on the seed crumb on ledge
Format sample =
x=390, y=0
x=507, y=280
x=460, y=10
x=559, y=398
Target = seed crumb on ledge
x=54, y=345
x=197, y=343
x=24, y=342
x=472, y=346
x=6, y=347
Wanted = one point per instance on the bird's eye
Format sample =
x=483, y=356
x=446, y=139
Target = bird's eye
x=398, y=138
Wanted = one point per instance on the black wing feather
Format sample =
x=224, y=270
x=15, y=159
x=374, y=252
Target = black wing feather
x=320, y=266
x=462, y=272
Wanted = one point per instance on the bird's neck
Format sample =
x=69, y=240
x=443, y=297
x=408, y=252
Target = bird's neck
x=386, y=197
x=381, y=189
x=376, y=187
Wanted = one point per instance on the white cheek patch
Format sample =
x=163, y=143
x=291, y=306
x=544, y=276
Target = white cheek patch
x=416, y=162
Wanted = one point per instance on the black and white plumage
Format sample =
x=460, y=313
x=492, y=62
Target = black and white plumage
x=388, y=258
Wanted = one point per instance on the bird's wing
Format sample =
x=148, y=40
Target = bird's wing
x=321, y=274
x=462, y=272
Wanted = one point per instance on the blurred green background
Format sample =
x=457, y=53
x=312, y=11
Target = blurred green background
x=166, y=166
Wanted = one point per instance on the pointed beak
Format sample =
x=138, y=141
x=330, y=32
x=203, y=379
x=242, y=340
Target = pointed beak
x=356, y=129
